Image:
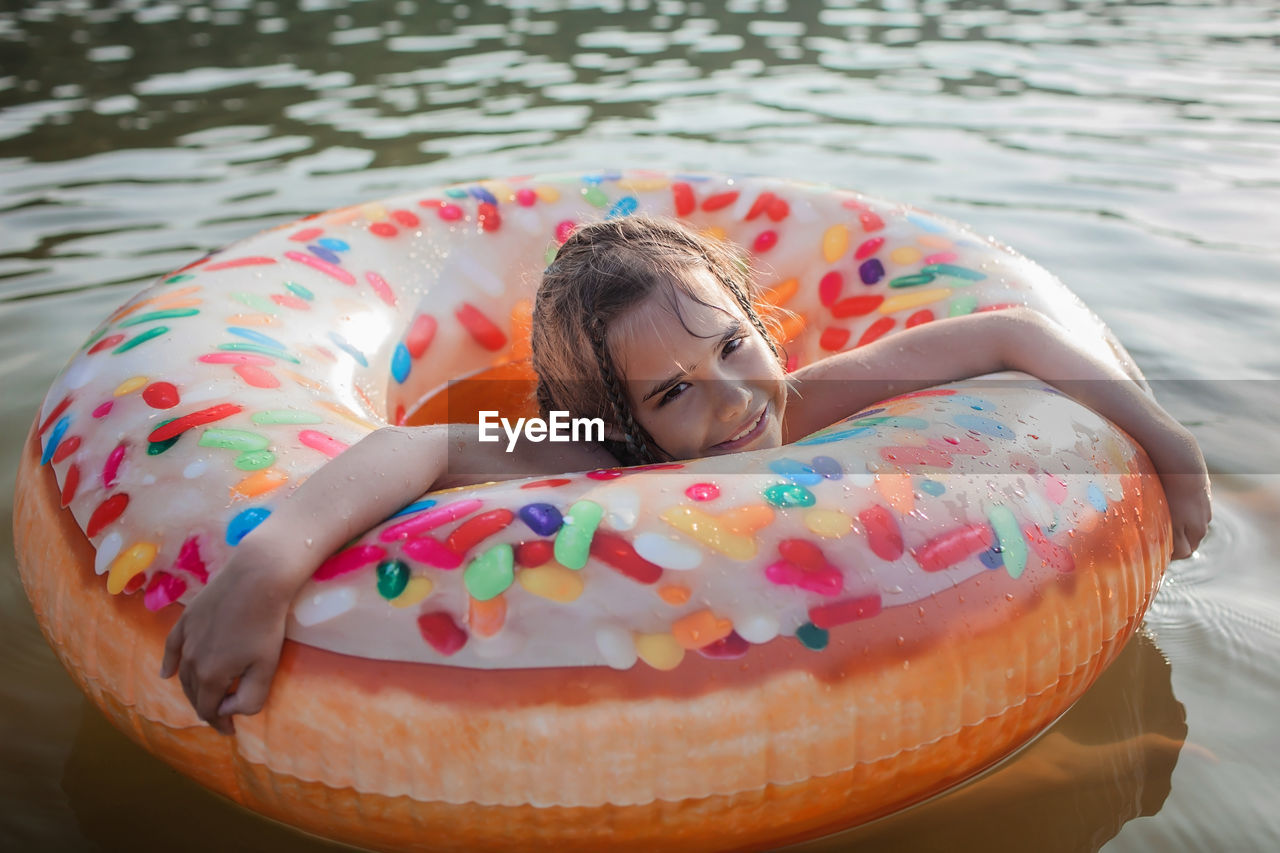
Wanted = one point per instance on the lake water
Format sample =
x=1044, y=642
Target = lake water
x=1133, y=148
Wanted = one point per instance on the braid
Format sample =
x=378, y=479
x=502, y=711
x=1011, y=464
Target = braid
x=638, y=441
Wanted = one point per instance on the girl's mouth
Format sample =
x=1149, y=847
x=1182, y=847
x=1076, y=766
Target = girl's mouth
x=743, y=438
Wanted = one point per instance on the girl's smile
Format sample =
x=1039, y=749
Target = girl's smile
x=698, y=375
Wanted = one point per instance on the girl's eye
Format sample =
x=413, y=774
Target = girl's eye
x=731, y=347
x=673, y=392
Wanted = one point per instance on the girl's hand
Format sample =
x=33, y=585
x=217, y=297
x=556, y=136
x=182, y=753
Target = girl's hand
x=233, y=630
x=1185, y=478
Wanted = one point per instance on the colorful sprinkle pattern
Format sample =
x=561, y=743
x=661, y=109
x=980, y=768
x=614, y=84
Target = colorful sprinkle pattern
x=204, y=400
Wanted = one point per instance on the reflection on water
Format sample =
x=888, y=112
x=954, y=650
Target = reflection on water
x=1130, y=147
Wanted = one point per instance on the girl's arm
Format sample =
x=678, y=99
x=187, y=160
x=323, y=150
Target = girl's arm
x=234, y=628
x=1015, y=339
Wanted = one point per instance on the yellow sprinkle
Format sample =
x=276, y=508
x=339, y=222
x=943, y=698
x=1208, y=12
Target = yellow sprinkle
x=710, y=532
x=499, y=189
x=660, y=651
x=344, y=215
x=128, y=565
x=643, y=185
x=130, y=385
x=548, y=194
x=260, y=482
x=905, y=255
x=746, y=520
x=934, y=241
x=552, y=582
x=835, y=242
x=715, y=232
x=913, y=299
x=828, y=523
x=414, y=591
x=373, y=212
x=674, y=594
x=896, y=490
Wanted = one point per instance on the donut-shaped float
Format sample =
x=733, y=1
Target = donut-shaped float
x=726, y=653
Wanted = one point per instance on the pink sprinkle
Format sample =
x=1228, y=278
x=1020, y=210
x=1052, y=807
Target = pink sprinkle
x=235, y=358
x=940, y=258
x=432, y=552
x=380, y=287
x=824, y=581
x=406, y=218
x=1055, y=488
x=383, y=229
x=449, y=212
x=239, y=262
x=526, y=197
x=318, y=441
x=256, y=376
x=104, y=409
x=430, y=519
x=323, y=266
x=703, y=492
x=849, y=610
x=306, y=235
x=111, y=470
x=348, y=561
x=163, y=590
x=564, y=229
x=189, y=560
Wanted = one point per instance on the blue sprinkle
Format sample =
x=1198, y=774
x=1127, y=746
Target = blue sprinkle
x=1097, y=498
x=692, y=179
x=991, y=558
x=482, y=194
x=324, y=254
x=796, y=472
x=416, y=506
x=828, y=467
x=871, y=271
x=256, y=337
x=334, y=244
x=543, y=519
x=624, y=206
x=986, y=426
x=341, y=343
x=838, y=435
x=866, y=413
x=812, y=636
x=972, y=402
x=925, y=224
x=401, y=361
x=55, y=438
x=904, y=422
x=932, y=487
x=244, y=523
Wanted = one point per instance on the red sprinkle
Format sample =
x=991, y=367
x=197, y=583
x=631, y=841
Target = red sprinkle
x=703, y=492
x=931, y=456
x=849, y=610
x=730, y=647
x=883, y=534
x=920, y=318
x=441, y=632
x=856, y=306
x=429, y=550
x=765, y=241
x=106, y=512
x=481, y=328
x=348, y=561
x=604, y=474
x=760, y=205
x=539, y=552
x=205, y=416
x=70, y=484
x=564, y=230
x=421, y=333
x=719, y=200
x=802, y=552
x=870, y=221
x=779, y=210
x=829, y=288
x=240, y=262
x=868, y=248
x=616, y=552
x=383, y=229
x=876, y=330
x=161, y=395
x=111, y=468
x=476, y=529
x=487, y=216
x=306, y=235
x=69, y=445
x=833, y=338
x=55, y=414
x=684, y=198
x=106, y=343
x=953, y=546
x=554, y=482
x=406, y=218
x=135, y=583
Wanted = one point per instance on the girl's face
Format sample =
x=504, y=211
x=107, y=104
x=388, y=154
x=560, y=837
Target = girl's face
x=700, y=378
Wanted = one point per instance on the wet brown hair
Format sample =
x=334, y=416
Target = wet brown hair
x=602, y=271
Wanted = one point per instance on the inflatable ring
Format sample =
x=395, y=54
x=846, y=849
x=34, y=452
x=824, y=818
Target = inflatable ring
x=700, y=655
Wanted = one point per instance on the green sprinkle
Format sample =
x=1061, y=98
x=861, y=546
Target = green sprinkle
x=155, y=448
x=393, y=577
x=286, y=416
x=255, y=460
x=238, y=346
x=812, y=636
x=491, y=573
x=179, y=278
x=962, y=305
x=1013, y=548
x=786, y=495
x=573, y=541
x=161, y=315
x=233, y=439
x=595, y=196
x=141, y=339
x=954, y=271
x=549, y=255
x=455, y=192
x=95, y=337
x=258, y=303
x=298, y=290
x=912, y=280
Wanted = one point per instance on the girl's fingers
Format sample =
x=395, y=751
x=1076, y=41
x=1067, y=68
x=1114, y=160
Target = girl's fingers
x=172, y=651
x=251, y=694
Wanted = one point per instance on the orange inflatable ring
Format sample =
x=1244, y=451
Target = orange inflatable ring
x=680, y=657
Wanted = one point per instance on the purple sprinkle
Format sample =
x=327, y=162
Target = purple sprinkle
x=827, y=467
x=871, y=271
x=543, y=519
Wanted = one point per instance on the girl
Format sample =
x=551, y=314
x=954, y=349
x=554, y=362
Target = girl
x=649, y=326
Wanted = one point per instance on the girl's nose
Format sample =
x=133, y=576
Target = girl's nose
x=733, y=400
